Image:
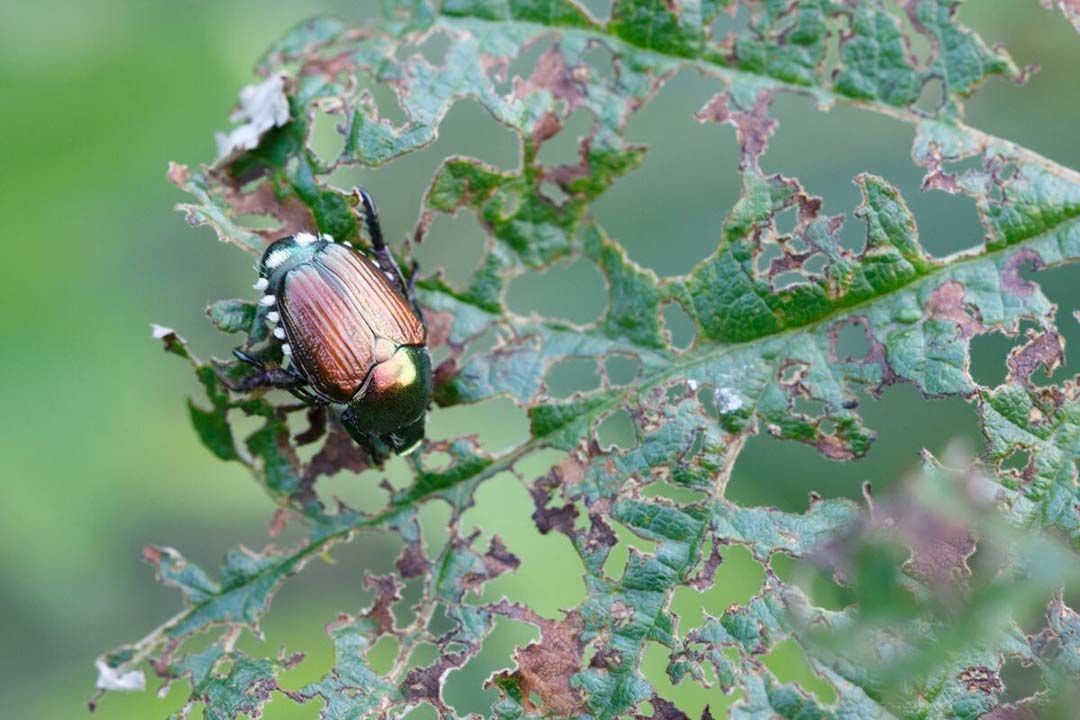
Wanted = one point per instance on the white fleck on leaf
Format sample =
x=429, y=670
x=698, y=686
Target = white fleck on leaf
x=160, y=331
x=262, y=107
x=123, y=680
x=727, y=401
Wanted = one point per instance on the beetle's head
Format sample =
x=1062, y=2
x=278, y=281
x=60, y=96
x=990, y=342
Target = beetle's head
x=288, y=252
x=394, y=399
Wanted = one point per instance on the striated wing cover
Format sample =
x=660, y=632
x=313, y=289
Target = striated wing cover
x=386, y=310
x=335, y=308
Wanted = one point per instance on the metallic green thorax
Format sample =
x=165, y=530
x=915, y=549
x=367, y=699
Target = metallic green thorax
x=399, y=404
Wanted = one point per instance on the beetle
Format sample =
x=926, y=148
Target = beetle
x=352, y=336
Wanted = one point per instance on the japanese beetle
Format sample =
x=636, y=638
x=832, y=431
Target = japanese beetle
x=353, y=331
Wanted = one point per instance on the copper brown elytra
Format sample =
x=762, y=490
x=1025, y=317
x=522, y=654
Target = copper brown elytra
x=352, y=337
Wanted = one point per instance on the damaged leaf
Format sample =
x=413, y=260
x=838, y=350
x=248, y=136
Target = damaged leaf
x=767, y=307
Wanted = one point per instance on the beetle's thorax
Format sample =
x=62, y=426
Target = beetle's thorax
x=284, y=256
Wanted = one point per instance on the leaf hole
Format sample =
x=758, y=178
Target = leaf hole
x=814, y=580
x=616, y=563
x=437, y=461
x=973, y=164
x=1017, y=461
x=919, y=47
x=454, y=245
x=680, y=328
x=483, y=343
x=988, y=352
x=730, y=23
x=539, y=463
x=691, y=698
x=423, y=654
x=576, y=292
x=706, y=395
x=807, y=406
x=796, y=244
x=360, y=492
x=326, y=136
x=788, y=279
x=396, y=471
x=434, y=520
x=564, y=147
x=599, y=9
x=786, y=221
x=682, y=494
x=792, y=372
x=503, y=507
x=788, y=663
x=422, y=711
x=847, y=142
x=851, y=341
x=383, y=653
x=932, y=97
x=766, y=254
x=399, y=186
x=440, y=622
x=676, y=392
x=405, y=609
x=852, y=237
x=773, y=473
x=617, y=430
x=621, y=369
x=496, y=422
x=600, y=60
x=1059, y=284
x=570, y=376
x=1021, y=680
x=815, y=265
x=432, y=48
x=738, y=578
x=381, y=98
x=523, y=66
x=669, y=213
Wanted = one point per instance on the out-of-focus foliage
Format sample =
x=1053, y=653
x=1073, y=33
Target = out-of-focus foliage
x=768, y=308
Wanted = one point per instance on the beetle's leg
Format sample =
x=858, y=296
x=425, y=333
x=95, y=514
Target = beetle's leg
x=267, y=377
x=407, y=439
x=260, y=365
x=383, y=257
x=289, y=379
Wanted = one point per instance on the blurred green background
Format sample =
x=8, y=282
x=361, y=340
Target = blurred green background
x=98, y=456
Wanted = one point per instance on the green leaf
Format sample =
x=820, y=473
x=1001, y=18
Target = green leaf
x=929, y=634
